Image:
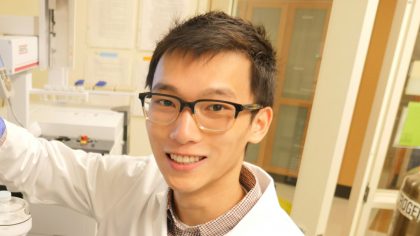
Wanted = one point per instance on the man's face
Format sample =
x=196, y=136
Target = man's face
x=214, y=159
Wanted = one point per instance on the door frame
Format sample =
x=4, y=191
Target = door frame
x=366, y=195
x=347, y=42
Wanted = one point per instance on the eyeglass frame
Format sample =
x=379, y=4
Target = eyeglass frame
x=191, y=105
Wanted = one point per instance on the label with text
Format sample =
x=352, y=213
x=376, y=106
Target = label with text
x=408, y=207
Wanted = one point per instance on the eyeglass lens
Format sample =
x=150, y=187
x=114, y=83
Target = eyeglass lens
x=209, y=115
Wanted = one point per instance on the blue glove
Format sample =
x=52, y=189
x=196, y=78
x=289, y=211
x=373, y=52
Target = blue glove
x=2, y=127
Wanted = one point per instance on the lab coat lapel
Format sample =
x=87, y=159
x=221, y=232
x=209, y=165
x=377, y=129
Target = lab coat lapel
x=160, y=221
x=256, y=222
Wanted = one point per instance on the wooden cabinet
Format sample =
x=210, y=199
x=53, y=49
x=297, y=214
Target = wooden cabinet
x=297, y=29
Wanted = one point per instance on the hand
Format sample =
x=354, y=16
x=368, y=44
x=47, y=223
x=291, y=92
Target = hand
x=2, y=126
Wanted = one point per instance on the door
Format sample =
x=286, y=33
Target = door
x=387, y=156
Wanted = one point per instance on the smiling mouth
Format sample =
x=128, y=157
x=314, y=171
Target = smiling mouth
x=184, y=159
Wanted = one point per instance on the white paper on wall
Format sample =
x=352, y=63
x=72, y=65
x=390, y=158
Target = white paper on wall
x=413, y=84
x=156, y=18
x=112, y=67
x=140, y=69
x=111, y=23
x=109, y=66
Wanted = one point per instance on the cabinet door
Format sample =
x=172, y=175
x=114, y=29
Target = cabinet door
x=296, y=87
x=273, y=18
x=298, y=32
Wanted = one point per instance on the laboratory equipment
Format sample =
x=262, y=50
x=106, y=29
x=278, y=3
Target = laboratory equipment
x=15, y=219
x=89, y=129
x=6, y=89
x=57, y=32
x=19, y=55
x=407, y=216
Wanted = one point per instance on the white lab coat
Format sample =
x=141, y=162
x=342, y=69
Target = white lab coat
x=126, y=195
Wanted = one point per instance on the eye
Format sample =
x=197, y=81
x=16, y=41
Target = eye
x=218, y=107
x=165, y=102
x=215, y=110
x=162, y=101
x=215, y=107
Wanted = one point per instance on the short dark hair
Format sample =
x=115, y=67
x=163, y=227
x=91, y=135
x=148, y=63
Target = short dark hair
x=215, y=32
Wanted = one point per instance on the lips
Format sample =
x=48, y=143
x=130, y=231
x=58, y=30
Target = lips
x=185, y=159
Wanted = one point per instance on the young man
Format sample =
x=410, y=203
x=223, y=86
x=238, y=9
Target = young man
x=211, y=82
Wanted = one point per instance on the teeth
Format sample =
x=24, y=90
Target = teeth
x=184, y=159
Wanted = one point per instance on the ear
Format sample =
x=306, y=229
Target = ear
x=260, y=124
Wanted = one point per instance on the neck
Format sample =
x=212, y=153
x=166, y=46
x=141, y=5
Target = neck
x=206, y=205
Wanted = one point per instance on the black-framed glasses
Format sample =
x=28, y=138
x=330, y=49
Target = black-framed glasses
x=209, y=114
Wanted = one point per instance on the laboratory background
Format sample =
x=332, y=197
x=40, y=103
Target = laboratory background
x=346, y=129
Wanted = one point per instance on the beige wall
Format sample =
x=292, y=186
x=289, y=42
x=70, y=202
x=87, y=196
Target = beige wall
x=19, y=7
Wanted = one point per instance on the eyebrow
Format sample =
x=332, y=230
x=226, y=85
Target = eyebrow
x=207, y=92
x=166, y=87
x=219, y=91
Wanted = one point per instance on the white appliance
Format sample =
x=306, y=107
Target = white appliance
x=104, y=129
x=19, y=54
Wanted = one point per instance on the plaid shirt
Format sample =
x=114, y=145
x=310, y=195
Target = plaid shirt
x=224, y=223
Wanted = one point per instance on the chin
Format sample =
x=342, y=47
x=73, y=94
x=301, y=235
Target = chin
x=181, y=185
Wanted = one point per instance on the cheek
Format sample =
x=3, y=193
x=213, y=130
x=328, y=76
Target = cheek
x=232, y=143
x=156, y=134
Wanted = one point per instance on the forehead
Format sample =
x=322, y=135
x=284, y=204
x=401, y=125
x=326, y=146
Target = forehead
x=223, y=74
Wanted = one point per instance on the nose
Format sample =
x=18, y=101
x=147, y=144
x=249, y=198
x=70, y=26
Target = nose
x=185, y=129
